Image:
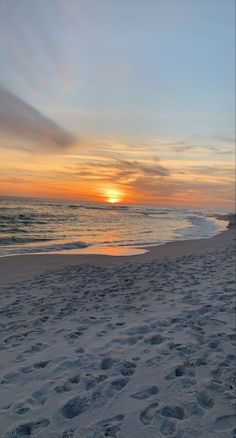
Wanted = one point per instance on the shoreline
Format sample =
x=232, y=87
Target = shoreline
x=23, y=266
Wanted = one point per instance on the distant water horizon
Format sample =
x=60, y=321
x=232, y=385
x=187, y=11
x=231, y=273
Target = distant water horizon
x=33, y=225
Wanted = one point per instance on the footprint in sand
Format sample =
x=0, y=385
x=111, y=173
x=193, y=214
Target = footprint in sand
x=155, y=340
x=41, y=364
x=68, y=433
x=68, y=385
x=168, y=427
x=131, y=340
x=145, y=392
x=38, y=398
x=21, y=408
x=225, y=422
x=27, y=429
x=139, y=330
x=173, y=411
x=204, y=400
x=107, y=363
x=65, y=387
x=74, y=335
x=91, y=382
x=36, y=348
x=75, y=406
x=108, y=427
x=10, y=377
x=116, y=385
x=127, y=368
x=74, y=379
x=179, y=371
x=148, y=414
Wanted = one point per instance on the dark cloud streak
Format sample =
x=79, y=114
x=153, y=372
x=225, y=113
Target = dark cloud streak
x=19, y=119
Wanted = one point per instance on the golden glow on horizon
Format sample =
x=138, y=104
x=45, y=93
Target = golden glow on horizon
x=113, y=195
x=93, y=176
x=113, y=200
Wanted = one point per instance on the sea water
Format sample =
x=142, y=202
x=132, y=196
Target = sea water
x=50, y=226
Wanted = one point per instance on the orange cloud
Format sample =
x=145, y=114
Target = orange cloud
x=103, y=177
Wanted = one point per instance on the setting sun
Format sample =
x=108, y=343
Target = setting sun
x=113, y=196
x=113, y=200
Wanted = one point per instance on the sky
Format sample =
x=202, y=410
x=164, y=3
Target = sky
x=130, y=101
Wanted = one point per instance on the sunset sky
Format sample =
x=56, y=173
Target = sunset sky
x=129, y=100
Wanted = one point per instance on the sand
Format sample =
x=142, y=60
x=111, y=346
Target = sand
x=96, y=346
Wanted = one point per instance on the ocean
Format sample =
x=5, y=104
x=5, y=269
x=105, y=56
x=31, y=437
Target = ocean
x=53, y=226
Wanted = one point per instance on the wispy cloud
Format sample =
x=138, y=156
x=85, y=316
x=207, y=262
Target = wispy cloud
x=121, y=171
x=221, y=170
x=19, y=119
x=182, y=193
x=225, y=139
x=189, y=148
x=155, y=169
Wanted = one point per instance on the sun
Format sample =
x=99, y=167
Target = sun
x=113, y=200
x=113, y=196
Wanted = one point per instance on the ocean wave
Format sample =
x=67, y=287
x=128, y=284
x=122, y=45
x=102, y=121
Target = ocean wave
x=29, y=226
x=132, y=242
x=153, y=213
x=139, y=243
x=198, y=227
x=73, y=206
x=68, y=245
x=8, y=230
x=57, y=247
x=11, y=240
x=107, y=207
x=28, y=219
x=88, y=207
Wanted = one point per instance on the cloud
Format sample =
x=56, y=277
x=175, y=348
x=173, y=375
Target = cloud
x=210, y=171
x=180, y=192
x=145, y=169
x=157, y=183
x=186, y=147
x=224, y=148
x=19, y=119
x=122, y=170
x=225, y=139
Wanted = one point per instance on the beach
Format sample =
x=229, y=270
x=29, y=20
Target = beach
x=117, y=219
x=95, y=346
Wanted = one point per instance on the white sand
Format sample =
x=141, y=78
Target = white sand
x=110, y=347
